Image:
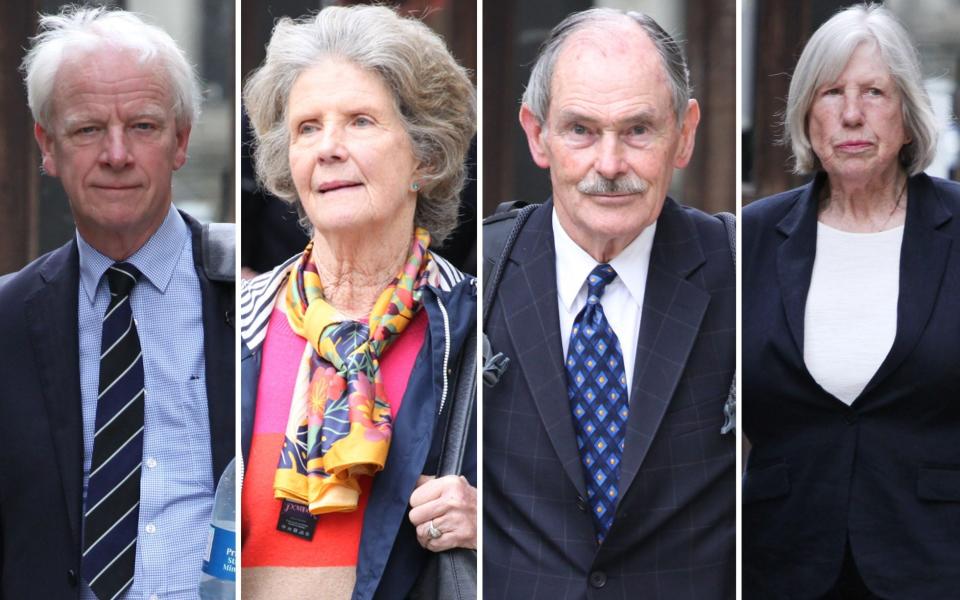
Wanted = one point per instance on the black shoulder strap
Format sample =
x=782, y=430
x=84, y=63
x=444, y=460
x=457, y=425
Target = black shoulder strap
x=730, y=407
x=457, y=430
x=500, y=231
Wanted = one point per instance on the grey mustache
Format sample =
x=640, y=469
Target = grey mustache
x=595, y=184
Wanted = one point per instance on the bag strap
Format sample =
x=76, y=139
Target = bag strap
x=219, y=251
x=463, y=402
x=730, y=406
x=500, y=232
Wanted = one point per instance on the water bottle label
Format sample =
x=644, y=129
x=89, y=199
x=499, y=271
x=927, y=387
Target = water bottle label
x=221, y=556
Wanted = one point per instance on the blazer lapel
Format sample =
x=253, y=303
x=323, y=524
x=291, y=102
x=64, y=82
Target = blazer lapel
x=51, y=313
x=528, y=297
x=923, y=260
x=795, y=261
x=672, y=311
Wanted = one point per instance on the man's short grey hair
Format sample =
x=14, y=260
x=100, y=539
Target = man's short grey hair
x=433, y=95
x=537, y=94
x=77, y=29
x=825, y=57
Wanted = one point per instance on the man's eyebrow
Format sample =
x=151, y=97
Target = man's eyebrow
x=642, y=116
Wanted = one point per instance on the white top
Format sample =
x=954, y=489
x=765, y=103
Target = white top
x=851, y=314
x=622, y=299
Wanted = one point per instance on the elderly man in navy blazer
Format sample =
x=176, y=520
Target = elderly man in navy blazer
x=605, y=471
x=116, y=384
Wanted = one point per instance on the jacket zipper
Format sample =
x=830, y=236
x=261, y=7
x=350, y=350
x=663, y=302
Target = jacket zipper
x=446, y=352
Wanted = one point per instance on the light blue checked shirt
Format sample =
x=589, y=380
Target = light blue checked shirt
x=176, y=484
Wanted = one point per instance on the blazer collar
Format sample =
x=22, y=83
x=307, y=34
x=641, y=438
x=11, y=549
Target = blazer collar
x=923, y=260
x=528, y=294
x=673, y=309
x=51, y=315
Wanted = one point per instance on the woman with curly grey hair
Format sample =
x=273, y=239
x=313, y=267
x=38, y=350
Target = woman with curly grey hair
x=362, y=120
x=851, y=285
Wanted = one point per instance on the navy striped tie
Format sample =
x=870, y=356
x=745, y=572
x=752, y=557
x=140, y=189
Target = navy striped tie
x=112, y=512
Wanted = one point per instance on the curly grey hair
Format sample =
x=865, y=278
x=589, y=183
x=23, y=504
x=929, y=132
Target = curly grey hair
x=537, y=94
x=433, y=94
x=78, y=29
x=825, y=57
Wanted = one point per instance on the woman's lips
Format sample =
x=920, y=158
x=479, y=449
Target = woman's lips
x=332, y=186
x=854, y=146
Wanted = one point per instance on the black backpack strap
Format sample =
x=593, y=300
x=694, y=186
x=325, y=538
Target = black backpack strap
x=730, y=407
x=500, y=231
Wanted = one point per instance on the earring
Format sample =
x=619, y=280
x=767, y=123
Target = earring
x=415, y=187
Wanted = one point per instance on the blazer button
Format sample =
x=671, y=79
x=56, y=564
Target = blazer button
x=72, y=578
x=581, y=504
x=598, y=579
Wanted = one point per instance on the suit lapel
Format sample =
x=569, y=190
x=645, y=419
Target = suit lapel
x=795, y=261
x=51, y=313
x=672, y=311
x=528, y=297
x=923, y=260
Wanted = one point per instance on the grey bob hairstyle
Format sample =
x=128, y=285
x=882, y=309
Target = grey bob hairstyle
x=433, y=95
x=824, y=58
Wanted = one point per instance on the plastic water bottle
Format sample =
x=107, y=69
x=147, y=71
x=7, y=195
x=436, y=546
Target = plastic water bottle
x=218, y=577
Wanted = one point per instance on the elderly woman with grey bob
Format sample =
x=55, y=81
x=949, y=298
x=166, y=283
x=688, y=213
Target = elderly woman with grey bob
x=851, y=335
x=350, y=349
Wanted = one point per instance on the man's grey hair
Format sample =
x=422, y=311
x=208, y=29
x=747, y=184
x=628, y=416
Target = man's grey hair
x=537, y=94
x=432, y=93
x=825, y=57
x=76, y=30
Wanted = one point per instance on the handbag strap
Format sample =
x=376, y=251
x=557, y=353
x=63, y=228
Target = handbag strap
x=458, y=420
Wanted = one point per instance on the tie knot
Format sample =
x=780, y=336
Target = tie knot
x=597, y=281
x=122, y=277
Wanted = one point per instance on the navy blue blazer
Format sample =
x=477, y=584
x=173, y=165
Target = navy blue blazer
x=41, y=425
x=674, y=531
x=883, y=473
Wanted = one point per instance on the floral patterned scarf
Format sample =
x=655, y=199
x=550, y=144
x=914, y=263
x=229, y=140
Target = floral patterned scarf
x=340, y=425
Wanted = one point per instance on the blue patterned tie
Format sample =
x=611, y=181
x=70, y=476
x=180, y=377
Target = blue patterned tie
x=111, y=512
x=597, y=389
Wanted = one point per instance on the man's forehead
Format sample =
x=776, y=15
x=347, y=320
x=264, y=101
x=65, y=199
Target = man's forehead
x=624, y=43
x=610, y=65
x=98, y=77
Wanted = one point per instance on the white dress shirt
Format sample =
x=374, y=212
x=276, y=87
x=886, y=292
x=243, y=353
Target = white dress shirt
x=851, y=313
x=622, y=299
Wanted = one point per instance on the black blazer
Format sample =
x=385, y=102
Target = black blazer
x=41, y=425
x=884, y=472
x=674, y=532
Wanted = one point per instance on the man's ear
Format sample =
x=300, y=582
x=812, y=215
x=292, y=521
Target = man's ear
x=534, y=128
x=688, y=133
x=45, y=141
x=183, y=139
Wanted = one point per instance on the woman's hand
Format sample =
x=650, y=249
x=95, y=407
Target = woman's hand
x=449, y=505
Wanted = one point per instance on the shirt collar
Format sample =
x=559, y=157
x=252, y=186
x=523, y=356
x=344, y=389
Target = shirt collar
x=631, y=265
x=156, y=259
